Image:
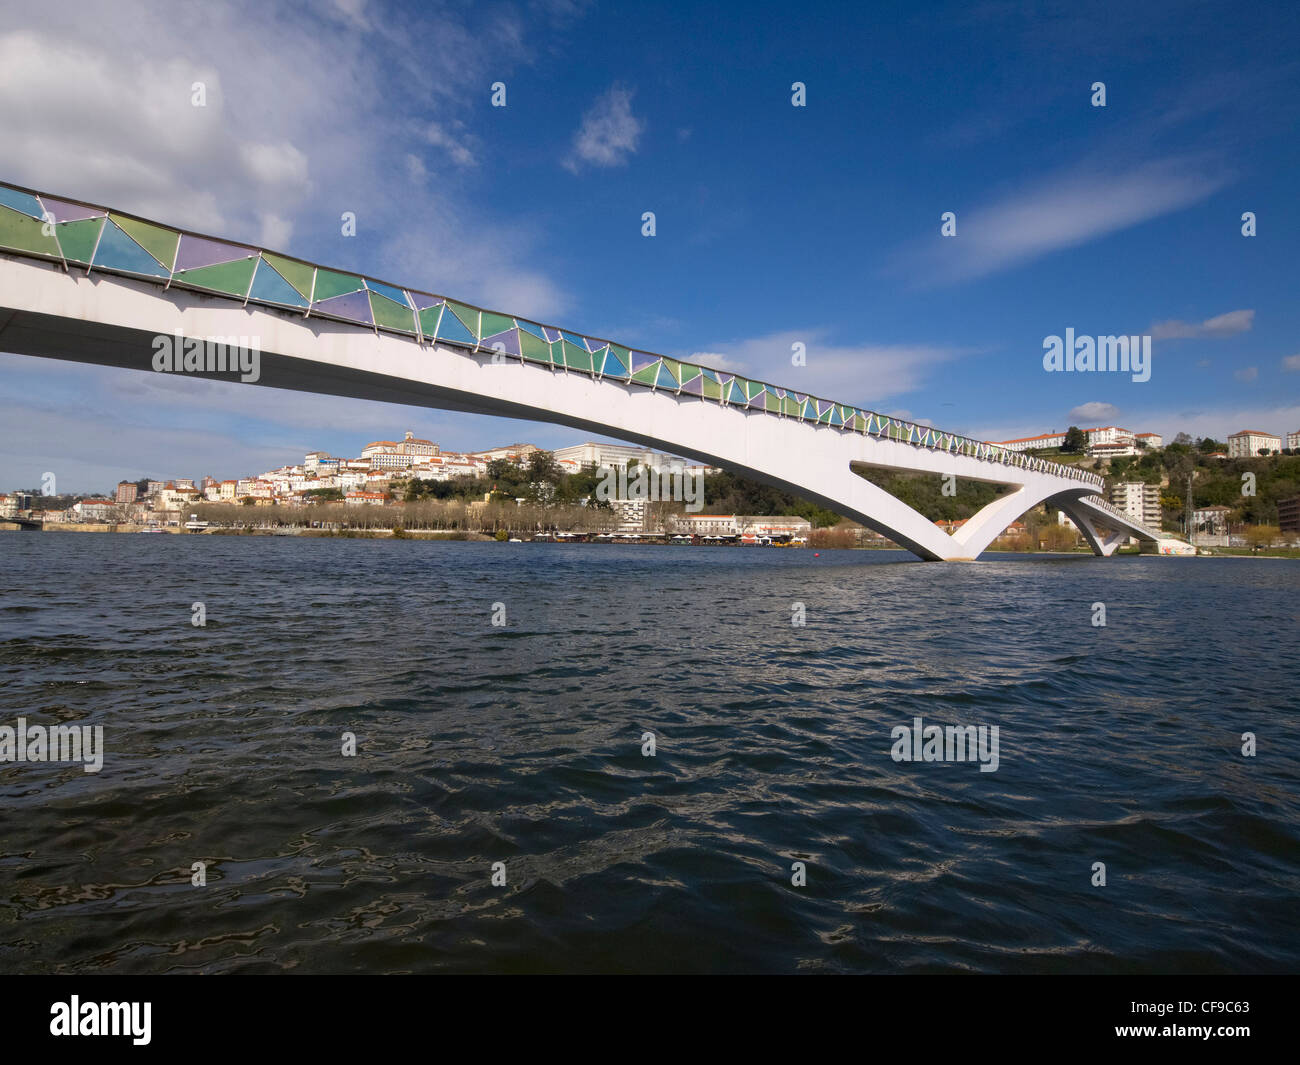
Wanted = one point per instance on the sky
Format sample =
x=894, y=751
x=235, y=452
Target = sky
x=775, y=224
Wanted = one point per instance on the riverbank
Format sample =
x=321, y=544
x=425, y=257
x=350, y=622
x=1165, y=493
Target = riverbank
x=642, y=539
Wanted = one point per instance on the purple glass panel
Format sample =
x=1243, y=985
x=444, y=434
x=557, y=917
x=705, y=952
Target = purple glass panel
x=196, y=251
x=695, y=386
x=640, y=360
x=354, y=306
x=423, y=302
x=70, y=212
x=509, y=340
x=551, y=335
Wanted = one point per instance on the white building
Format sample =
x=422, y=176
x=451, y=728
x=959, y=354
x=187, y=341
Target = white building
x=1109, y=434
x=1112, y=451
x=1249, y=442
x=1102, y=434
x=1139, y=501
x=1293, y=440
x=1032, y=443
x=758, y=529
x=95, y=510
x=1151, y=440
x=511, y=453
x=708, y=524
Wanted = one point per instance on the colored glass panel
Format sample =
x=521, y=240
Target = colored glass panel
x=117, y=251
x=25, y=233
x=493, y=323
x=270, y=287
x=21, y=202
x=231, y=278
x=330, y=283
x=159, y=242
x=388, y=314
x=298, y=274
x=468, y=317
x=77, y=239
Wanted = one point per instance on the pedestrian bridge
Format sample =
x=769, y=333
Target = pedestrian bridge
x=94, y=285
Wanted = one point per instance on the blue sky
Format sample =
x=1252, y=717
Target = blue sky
x=775, y=224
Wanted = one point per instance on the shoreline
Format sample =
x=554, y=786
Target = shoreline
x=464, y=536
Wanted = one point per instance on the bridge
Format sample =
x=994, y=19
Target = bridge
x=90, y=284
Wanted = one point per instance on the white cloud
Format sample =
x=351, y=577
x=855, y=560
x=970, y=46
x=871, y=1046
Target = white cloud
x=715, y=360
x=1291, y=362
x=101, y=109
x=1095, y=412
x=1065, y=210
x=453, y=143
x=1222, y=325
x=863, y=374
x=609, y=132
x=1248, y=374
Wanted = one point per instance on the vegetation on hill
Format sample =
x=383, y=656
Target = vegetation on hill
x=1215, y=482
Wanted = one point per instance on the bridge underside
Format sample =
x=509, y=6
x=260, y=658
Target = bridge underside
x=113, y=321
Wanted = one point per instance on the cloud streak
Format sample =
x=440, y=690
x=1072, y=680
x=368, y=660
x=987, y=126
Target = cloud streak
x=852, y=373
x=1064, y=211
x=1223, y=325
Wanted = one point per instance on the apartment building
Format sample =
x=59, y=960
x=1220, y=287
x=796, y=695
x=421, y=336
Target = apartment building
x=1249, y=442
x=1139, y=501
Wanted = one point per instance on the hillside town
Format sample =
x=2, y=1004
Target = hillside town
x=1173, y=487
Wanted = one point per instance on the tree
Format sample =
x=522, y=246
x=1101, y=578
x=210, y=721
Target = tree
x=543, y=467
x=1208, y=446
x=1183, y=439
x=1075, y=440
x=1263, y=535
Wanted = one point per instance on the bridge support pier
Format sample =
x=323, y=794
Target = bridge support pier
x=1102, y=544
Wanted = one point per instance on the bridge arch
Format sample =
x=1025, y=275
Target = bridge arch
x=323, y=331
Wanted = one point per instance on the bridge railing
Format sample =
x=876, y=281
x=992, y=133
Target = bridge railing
x=1103, y=504
x=80, y=235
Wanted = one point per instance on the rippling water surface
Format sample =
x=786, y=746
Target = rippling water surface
x=522, y=744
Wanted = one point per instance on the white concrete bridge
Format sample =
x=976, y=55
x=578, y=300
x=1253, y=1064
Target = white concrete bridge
x=92, y=285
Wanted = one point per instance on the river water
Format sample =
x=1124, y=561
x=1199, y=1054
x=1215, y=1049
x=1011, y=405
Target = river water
x=524, y=743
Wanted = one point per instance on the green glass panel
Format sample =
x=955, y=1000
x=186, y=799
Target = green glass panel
x=158, y=242
x=576, y=358
x=771, y=402
x=389, y=314
x=689, y=372
x=24, y=233
x=230, y=278
x=78, y=239
x=330, y=283
x=296, y=273
x=429, y=320
x=675, y=368
x=467, y=315
x=712, y=390
x=647, y=375
x=496, y=323
x=533, y=347
x=789, y=406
